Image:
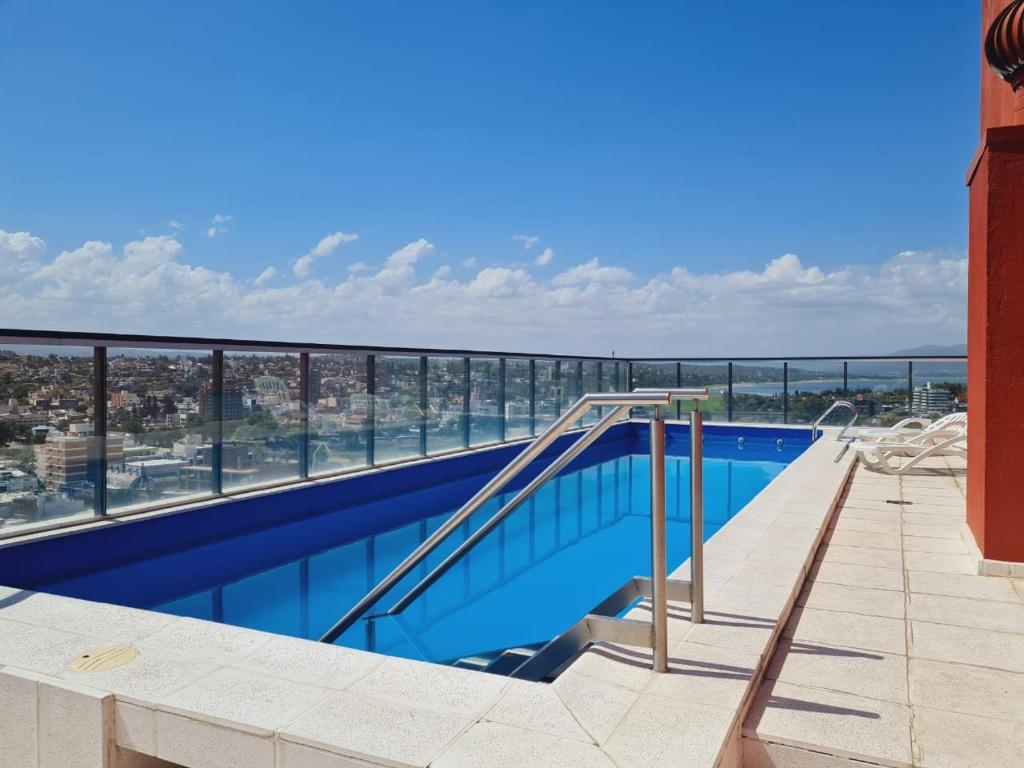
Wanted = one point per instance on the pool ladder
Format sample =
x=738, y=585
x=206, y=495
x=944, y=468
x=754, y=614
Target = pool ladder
x=842, y=433
x=601, y=623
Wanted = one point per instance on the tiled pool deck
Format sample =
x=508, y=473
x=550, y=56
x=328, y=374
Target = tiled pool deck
x=891, y=579
x=898, y=654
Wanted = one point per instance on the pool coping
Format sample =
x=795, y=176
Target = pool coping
x=209, y=695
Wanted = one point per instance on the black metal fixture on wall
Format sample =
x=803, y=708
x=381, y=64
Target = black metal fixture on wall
x=1004, y=44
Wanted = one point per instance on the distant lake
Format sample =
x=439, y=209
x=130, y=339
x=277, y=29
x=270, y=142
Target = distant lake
x=775, y=387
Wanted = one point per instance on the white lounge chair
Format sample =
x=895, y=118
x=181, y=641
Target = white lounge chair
x=878, y=456
x=902, y=432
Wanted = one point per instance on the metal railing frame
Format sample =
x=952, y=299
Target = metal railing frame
x=621, y=370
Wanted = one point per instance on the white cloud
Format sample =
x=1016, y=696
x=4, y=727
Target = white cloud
x=327, y=246
x=789, y=306
x=528, y=241
x=593, y=272
x=176, y=225
x=266, y=275
x=218, y=224
x=469, y=263
x=357, y=267
x=545, y=257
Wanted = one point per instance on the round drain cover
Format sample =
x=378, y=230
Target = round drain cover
x=102, y=659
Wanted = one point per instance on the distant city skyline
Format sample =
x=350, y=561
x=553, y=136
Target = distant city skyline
x=561, y=178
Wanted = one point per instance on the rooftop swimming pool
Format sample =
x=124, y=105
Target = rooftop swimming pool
x=292, y=562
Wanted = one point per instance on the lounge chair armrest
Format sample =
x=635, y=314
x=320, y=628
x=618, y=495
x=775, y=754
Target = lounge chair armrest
x=920, y=420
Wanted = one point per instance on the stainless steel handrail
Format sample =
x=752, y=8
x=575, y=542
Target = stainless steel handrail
x=836, y=404
x=500, y=480
x=553, y=469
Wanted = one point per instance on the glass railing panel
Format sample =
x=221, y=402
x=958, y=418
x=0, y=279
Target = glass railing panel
x=591, y=383
x=879, y=389
x=484, y=400
x=570, y=386
x=48, y=452
x=446, y=398
x=758, y=392
x=939, y=388
x=813, y=386
x=262, y=418
x=613, y=379
x=339, y=412
x=714, y=376
x=517, y=398
x=397, y=411
x=161, y=424
x=547, y=403
x=653, y=375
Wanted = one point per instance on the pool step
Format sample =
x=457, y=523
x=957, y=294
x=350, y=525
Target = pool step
x=509, y=661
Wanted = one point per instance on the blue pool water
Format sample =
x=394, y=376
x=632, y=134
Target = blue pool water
x=581, y=537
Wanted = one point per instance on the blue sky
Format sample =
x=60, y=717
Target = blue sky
x=712, y=137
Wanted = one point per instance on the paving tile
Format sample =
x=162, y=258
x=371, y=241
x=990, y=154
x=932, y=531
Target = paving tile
x=184, y=741
x=658, y=733
x=597, y=706
x=933, y=531
x=858, y=576
x=939, y=563
x=236, y=698
x=845, y=523
x=968, y=689
x=535, y=707
x=964, y=645
x=705, y=674
x=963, y=585
x=492, y=745
x=863, y=539
x=147, y=677
x=849, y=670
x=101, y=620
x=432, y=686
x=378, y=731
x=742, y=631
x=854, y=630
x=967, y=612
x=19, y=717
x=840, y=597
x=953, y=740
x=889, y=514
x=930, y=544
x=761, y=754
x=310, y=662
x=877, y=558
x=205, y=640
x=618, y=665
x=45, y=650
x=831, y=722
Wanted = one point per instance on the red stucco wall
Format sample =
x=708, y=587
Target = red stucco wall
x=995, y=324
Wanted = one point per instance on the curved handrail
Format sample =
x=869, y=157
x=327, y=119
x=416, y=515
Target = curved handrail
x=660, y=397
x=836, y=404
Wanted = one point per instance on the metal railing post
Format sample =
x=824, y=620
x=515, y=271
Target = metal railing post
x=304, y=397
x=370, y=426
x=99, y=429
x=785, y=393
x=216, y=409
x=533, y=397
x=846, y=378
x=467, y=393
x=659, y=556
x=423, y=374
x=910, y=387
x=502, y=416
x=697, y=516
x=729, y=403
